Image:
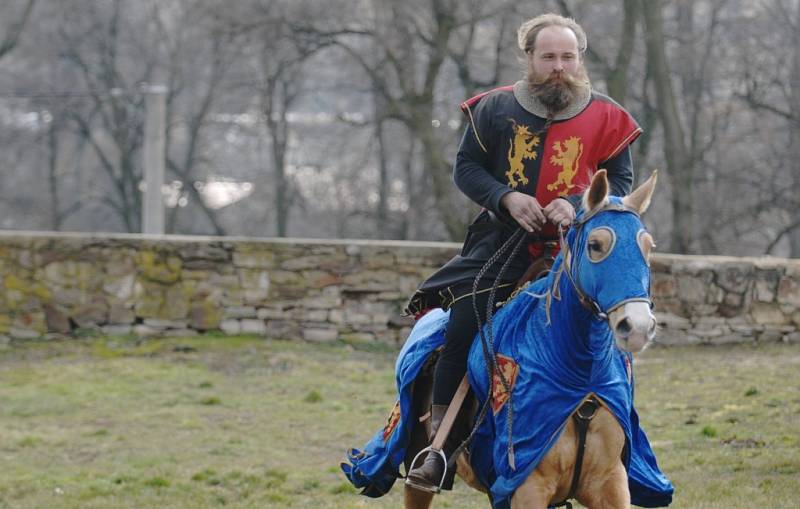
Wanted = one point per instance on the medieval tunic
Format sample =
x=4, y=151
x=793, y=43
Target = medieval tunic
x=509, y=146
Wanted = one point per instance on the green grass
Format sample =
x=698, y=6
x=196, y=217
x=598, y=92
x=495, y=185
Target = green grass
x=245, y=423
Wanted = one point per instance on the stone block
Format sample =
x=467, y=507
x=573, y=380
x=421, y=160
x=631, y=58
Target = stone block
x=380, y=318
x=730, y=338
x=121, y=313
x=336, y=316
x=117, y=330
x=321, y=302
x=770, y=335
x=672, y=321
x=142, y=330
x=271, y=313
x=315, y=315
x=120, y=288
x=32, y=320
x=179, y=333
x=734, y=278
x=162, y=325
x=353, y=317
x=325, y=279
x=205, y=315
x=692, y=289
x=664, y=286
x=711, y=331
x=792, y=337
x=204, y=256
x=704, y=309
x=768, y=314
x=159, y=266
x=246, y=256
x=240, y=312
x=252, y=326
x=56, y=320
x=320, y=334
x=764, y=290
x=304, y=263
x=23, y=333
x=709, y=321
x=789, y=291
x=747, y=331
x=282, y=329
x=231, y=327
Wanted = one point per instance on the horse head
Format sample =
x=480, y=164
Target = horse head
x=608, y=261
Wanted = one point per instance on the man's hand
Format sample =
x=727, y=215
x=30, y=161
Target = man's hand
x=525, y=210
x=560, y=211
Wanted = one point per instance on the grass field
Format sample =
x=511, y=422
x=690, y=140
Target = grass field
x=243, y=422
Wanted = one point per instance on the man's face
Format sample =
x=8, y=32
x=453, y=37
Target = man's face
x=555, y=71
x=555, y=51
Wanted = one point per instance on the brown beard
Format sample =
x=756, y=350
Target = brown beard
x=557, y=90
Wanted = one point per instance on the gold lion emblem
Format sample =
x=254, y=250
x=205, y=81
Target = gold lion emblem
x=522, y=146
x=567, y=155
x=510, y=371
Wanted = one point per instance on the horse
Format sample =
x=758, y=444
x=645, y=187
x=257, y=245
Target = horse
x=594, y=306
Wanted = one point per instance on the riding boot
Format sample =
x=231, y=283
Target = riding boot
x=428, y=476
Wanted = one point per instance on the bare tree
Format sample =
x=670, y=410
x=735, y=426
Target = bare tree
x=14, y=30
x=770, y=89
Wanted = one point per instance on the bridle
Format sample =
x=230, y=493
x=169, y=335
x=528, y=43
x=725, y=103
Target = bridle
x=569, y=259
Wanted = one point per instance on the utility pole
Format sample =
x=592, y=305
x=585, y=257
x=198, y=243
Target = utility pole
x=154, y=158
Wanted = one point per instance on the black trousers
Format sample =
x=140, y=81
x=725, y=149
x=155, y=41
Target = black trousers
x=461, y=330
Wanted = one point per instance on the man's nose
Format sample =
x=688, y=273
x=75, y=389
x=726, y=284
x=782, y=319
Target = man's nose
x=558, y=65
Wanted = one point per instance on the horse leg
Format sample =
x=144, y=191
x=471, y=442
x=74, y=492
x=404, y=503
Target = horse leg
x=416, y=499
x=535, y=493
x=612, y=494
x=606, y=481
x=423, y=394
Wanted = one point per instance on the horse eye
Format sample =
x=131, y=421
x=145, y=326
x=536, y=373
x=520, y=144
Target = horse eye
x=600, y=243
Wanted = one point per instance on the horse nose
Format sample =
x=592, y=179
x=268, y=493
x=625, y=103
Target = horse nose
x=623, y=328
x=634, y=325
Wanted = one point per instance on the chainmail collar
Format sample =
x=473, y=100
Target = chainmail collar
x=532, y=104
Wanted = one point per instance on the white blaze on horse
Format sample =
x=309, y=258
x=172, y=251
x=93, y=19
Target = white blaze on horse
x=566, y=427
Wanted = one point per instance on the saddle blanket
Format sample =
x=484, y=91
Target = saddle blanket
x=376, y=468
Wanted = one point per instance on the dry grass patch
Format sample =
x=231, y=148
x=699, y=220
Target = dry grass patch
x=246, y=423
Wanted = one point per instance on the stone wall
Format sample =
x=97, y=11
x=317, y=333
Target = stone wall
x=57, y=284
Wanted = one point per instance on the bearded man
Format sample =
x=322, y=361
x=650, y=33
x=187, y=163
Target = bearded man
x=527, y=154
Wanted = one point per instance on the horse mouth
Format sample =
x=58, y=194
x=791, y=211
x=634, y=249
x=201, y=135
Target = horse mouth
x=633, y=325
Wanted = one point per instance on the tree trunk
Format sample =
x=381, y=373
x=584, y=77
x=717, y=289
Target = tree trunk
x=794, y=134
x=52, y=175
x=680, y=169
x=617, y=78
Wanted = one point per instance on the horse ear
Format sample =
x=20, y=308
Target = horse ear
x=639, y=199
x=597, y=194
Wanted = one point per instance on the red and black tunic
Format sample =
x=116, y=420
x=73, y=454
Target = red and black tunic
x=507, y=148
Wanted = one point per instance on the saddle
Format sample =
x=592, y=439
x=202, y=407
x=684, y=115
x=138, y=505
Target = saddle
x=541, y=265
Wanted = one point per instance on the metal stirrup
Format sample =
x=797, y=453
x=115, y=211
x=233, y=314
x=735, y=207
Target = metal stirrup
x=432, y=488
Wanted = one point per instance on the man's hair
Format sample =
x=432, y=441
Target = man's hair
x=526, y=36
